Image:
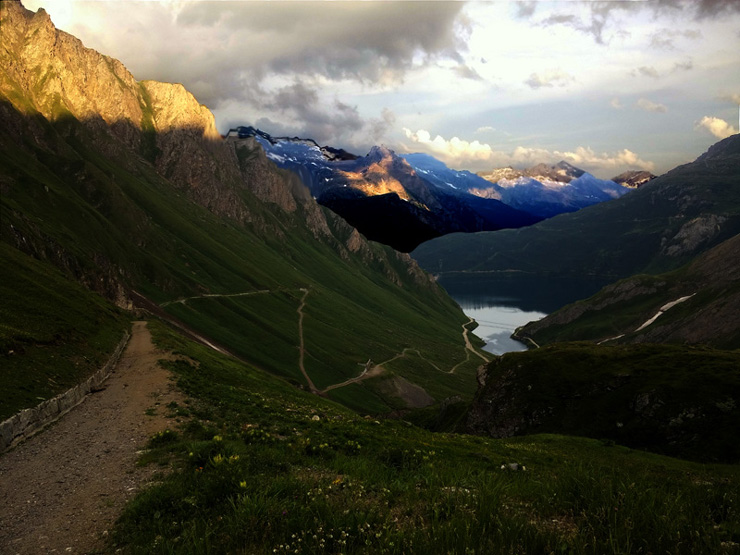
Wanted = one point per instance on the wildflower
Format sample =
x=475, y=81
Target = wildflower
x=243, y=484
x=217, y=438
x=218, y=459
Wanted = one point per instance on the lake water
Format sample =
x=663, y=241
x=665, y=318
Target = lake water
x=503, y=303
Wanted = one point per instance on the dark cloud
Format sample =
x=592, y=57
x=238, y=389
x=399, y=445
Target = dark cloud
x=369, y=41
x=299, y=110
x=714, y=8
x=687, y=65
x=599, y=15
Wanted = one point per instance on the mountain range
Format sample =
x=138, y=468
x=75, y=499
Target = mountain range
x=549, y=190
x=405, y=200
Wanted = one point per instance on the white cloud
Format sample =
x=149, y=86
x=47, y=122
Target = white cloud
x=454, y=149
x=650, y=106
x=484, y=129
x=554, y=78
x=616, y=103
x=459, y=153
x=716, y=126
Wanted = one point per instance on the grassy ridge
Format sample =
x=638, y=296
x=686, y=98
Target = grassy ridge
x=260, y=467
x=53, y=333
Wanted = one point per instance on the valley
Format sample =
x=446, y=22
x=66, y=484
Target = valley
x=306, y=370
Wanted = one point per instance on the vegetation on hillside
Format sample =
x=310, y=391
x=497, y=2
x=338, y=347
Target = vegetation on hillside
x=120, y=229
x=260, y=467
x=54, y=333
x=675, y=400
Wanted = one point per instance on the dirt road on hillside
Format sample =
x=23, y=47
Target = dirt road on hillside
x=61, y=490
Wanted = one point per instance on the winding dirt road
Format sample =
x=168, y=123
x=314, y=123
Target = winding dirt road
x=62, y=490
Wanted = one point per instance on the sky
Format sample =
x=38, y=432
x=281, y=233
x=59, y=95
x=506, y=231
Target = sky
x=606, y=86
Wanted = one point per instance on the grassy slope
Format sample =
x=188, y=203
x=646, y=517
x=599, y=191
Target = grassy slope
x=260, y=467
x=674, y=400
x=709, y=316
x=88, y=213
x=613, y=239
x=53, y=332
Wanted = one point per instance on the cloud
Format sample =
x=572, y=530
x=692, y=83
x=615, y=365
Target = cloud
x=554, y=78
x=650, y=106
x=647, y=71
x=616, y=103
x=666, y=38
x=366, y=41
x=687, y=65
x=298, y=109
x=220, y=50
x=716, y=126
x=526, y=9
x=380, y=126
x=599, y=18
x=484, y=129
x=467, y=72
x=713, y=8
x=460, y=153
x=731, y=97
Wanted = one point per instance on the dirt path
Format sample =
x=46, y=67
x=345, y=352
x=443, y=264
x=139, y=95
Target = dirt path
x=469, y=345
x=301, y=346
x=372, y=371
x=212, y=295
x=61, y=490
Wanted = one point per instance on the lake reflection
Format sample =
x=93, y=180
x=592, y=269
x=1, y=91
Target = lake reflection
x=503, y=303
x=497, y=323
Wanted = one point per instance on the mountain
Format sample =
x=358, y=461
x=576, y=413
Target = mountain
x=634, y=178
x=696, y=304
x=656, y=228
x=383, y=196
x=127, y=188
x=547, y=190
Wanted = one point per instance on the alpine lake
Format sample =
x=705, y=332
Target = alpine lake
x=500, y=303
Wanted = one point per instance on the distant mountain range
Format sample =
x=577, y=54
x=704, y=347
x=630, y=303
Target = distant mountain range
x=544, y=191
x=405, y=200
x=658, y=227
